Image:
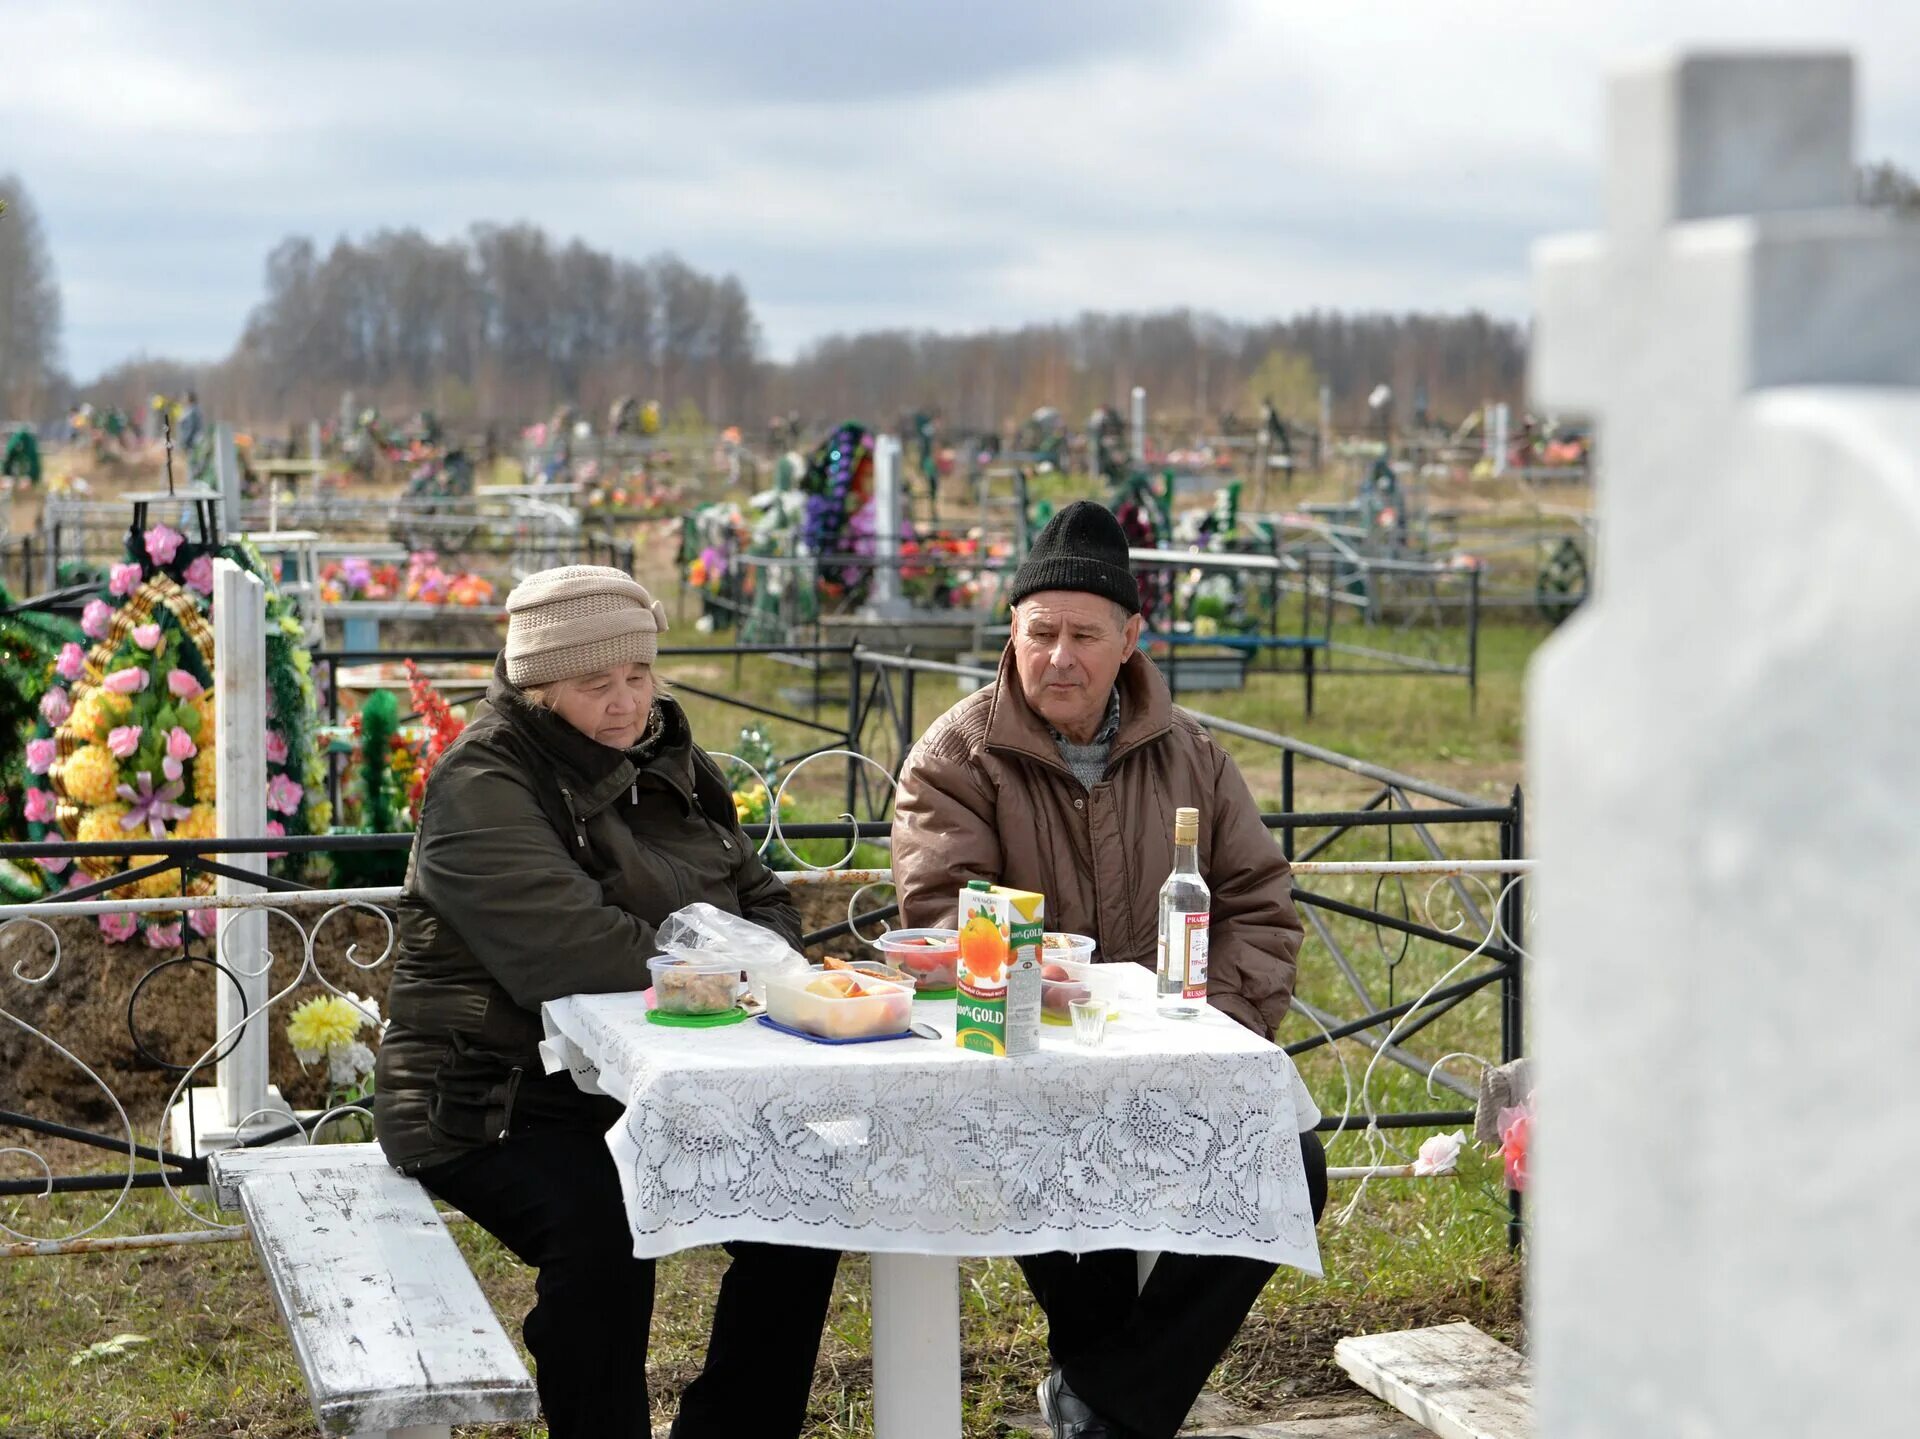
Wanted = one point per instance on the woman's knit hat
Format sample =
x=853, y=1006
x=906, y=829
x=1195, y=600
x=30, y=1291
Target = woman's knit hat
x=578, y=620
x=1081, y=548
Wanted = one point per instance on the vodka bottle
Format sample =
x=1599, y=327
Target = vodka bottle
x=1185, y=909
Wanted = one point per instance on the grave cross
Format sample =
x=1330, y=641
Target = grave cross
x=1721, y=761
x=1731, y=262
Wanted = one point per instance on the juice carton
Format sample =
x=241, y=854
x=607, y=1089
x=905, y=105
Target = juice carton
x=1001, y=931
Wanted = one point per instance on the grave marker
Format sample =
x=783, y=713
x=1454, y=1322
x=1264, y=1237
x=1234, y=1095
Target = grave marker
x=1721, y=754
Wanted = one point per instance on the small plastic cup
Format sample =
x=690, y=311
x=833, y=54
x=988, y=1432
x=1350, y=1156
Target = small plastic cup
x=1089, y=1021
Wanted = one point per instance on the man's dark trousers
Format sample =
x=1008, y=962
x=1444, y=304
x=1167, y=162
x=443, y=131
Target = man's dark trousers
x=1140, y=1357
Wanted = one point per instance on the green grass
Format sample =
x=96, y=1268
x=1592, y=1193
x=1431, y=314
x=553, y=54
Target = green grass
x=1411, y=1252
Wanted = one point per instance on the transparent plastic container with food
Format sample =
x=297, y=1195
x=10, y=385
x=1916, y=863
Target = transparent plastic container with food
x=931, y=956
x=839, y=1003
x=694, y=986
x=1068, y=971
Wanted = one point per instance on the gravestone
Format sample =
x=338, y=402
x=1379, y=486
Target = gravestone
x=1722, y=753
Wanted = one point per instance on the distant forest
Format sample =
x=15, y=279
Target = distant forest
x=507, y=323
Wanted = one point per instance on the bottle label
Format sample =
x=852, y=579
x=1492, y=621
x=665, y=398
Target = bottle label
x=1195, y=986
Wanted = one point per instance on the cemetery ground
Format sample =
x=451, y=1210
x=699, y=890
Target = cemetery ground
x=216, y=1361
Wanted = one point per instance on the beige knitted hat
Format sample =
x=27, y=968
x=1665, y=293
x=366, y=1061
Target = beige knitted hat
x=578, y=620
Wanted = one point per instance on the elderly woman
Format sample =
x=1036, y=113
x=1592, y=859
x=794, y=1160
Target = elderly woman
x=559, y=830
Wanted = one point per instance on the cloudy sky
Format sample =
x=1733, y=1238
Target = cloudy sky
x=858, y=163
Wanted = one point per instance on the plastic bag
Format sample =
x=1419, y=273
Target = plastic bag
x=705, y=931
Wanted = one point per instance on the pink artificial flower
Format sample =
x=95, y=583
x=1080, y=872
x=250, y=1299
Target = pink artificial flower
x=283, y=794
x=123, y=740
x=41, y=753
x=183, y=686
x=276, y=747
x=52, y=866
x=172, y=768
x=147, y=636
x=162, y=542
x=72, y=661
x=39, y=806
x=128, y=681
x=55, y=706
x=94, y=618
x=163, y=936
x=180, y=744
x=276, y=829
x=123, y=580
x=118, y=928
x=200, y=574
x=1516, y=1133
x=1440, y=1154
x=205, y=922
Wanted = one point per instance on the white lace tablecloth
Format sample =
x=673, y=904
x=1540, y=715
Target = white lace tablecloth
x=1173, y=1135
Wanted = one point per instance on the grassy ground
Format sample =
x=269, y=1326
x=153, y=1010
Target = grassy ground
x=218, y=1363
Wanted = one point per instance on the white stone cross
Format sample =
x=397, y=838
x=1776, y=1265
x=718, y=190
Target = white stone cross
x=1724, y=753
x=1731, y=263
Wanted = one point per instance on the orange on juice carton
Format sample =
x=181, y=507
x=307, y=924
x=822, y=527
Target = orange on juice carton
x=1001, y=932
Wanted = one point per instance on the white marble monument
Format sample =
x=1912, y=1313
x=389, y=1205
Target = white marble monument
x=1724, y=748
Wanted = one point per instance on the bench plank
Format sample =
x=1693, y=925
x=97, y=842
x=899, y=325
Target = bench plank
x=388, y=1324
x=1459, y=1382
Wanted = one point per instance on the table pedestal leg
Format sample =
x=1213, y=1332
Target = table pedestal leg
x=916, y=1346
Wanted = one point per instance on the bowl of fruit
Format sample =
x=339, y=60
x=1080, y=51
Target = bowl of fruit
x=839, y=1003
x=931, y=956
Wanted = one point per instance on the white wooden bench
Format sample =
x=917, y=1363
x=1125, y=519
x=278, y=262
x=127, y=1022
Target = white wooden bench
x=390, y=1328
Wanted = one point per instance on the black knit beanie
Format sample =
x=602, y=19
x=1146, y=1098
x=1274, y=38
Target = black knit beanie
x=1081, y=548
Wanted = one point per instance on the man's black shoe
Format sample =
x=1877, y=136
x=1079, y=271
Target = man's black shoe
x=1067, y=1414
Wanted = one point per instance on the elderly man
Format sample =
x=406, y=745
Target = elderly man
x=1062, y=776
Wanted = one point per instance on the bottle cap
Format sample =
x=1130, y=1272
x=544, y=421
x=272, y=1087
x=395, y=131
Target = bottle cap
x=1186, y=825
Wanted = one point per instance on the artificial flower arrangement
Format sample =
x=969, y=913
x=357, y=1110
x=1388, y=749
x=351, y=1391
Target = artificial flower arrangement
x=326, y=1030
x=355, y=578
x=124, y=747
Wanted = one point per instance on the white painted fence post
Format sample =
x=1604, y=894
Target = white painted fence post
x=1139, y=425
x=886, y=600
x=240, y=809
x=226, y=470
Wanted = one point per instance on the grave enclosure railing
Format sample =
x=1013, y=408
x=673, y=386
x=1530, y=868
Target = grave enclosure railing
x=1484, y=929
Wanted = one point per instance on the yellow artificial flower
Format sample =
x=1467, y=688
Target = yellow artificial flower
x=323, y=1024
x=101, y=824
x=205, y=783
x=319, y=816
x=163, y=885
x=90, y=774
x=199, y=823
x=97, y=712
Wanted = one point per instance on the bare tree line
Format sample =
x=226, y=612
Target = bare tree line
x=1195, y=367
x=29, y=308
x=506, y=323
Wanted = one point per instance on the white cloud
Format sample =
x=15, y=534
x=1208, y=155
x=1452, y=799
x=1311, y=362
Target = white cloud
x=880, y=165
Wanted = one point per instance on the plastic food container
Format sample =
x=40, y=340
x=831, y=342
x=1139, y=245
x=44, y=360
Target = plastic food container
x=889, y=972
x=1101, y=980
x=837, y=1004
x=931, y=956
x=1055, y=945
x=694, y=986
